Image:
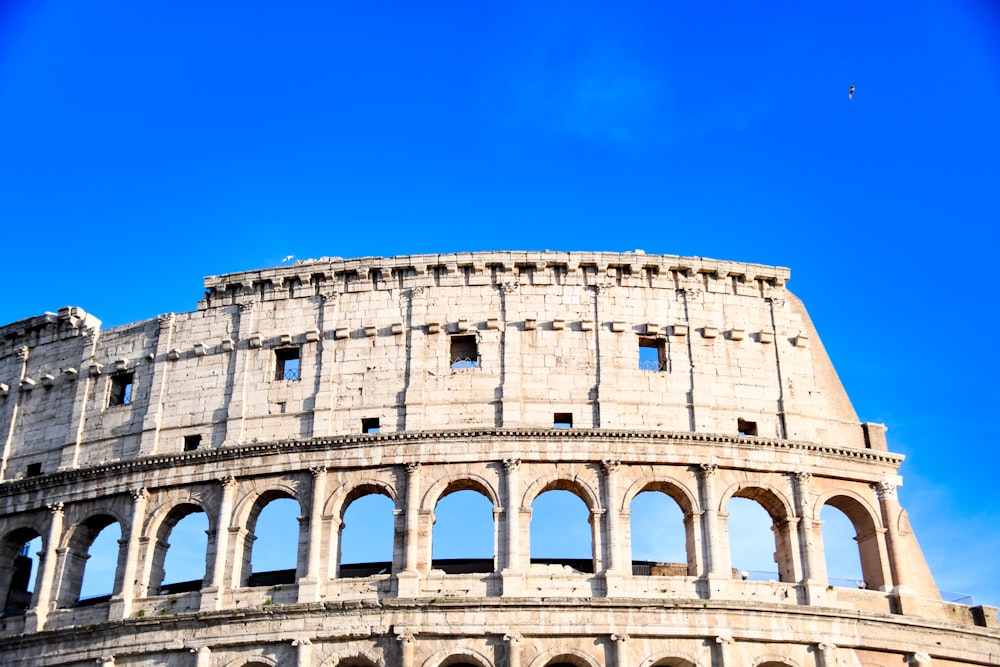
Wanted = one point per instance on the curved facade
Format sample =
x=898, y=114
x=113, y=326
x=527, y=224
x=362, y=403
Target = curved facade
x=507, y=374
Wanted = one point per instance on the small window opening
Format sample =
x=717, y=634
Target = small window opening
x=464, y=352
x=33, y=470
x=121, y=389
x=746, y=427
x=562, y=420
x=286, y=366
x=370, y=425
x=652, y=354
x=192, y=442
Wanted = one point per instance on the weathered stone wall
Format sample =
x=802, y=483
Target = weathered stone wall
x=264, y=392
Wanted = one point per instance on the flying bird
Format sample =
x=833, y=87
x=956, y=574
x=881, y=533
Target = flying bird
x=850, y=93
x=291, y=257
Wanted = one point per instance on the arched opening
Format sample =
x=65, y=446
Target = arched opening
x=91, y=562
x=271, y=543
x=463, y=538
x=561, y=533
x=179, y=555
x=18, y=570
x=366, y=534
x=673, y=662
x=658, y=536
x=851, y=545
x=751, y=540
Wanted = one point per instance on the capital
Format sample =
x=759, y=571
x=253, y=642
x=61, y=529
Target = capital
x=511, y=464
x=228, y=482
x=513, y=637
x=317, y=470
x=509, y=287
x=404, y=637
x=304, y=641
x=706, y=469
x=412, y=467
x=22, y=353
x=803, y=477
x=619, y=637
x=55, y=508
x=610, y=465
x=247, y=305
x=139, y=494
x=885, y=489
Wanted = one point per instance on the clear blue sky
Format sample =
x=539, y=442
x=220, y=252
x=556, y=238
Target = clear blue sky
x=145, y=145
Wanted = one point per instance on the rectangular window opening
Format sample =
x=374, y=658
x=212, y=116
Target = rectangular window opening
x=652, y=354
x=192, y=442
x=370, y=425
x=464, y=352
x=286, y=364
x=746, y=427
x=121, y=389
x=33, y=470
x=562, y=420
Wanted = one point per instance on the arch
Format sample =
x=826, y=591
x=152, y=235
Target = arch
x=867, y=535
x=774, y=502
x=378, y=529
x=666, y=534
x=459, y=482
x=246, y=537
x=156, y=515
x=349, y=657
x=476, y=523
x=559, y=482
x=247, y=509
x=77, y=543
x=687, y=501
x=569, y=656
x=774, y=661
x=337, y=503
x=456, y=656
x=555, y=537
x=255, y=661
x=160, y=545
x=688, y=660
x=16, y=569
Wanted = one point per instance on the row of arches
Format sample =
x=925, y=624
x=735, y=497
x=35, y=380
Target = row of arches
x=661, y=523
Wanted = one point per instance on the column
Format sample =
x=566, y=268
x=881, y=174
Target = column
x=45, y=602
x=106, y=661
x=409, y=579
x=240, y=365
x=303, y=652
x=722, y=650
x=886, y=492
x=614, y=570
x=309, y=586
x=406, y=649
x=203, y=656
x=121, y=604
x=22, y=356
x=621, y=653
x=715, y=559
x=512, y=574
x=513, y=640
x=826, y=655
x=158, y=373
x=325, y=398
x=211, y=594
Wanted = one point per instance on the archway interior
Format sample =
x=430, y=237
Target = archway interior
x=751, y=540
x=20, y=555
x=184, y=565
x=463, y=539
x=657, y=533
x=560, y=531
x=275, y=544
x=840, y=548
x=366, y=537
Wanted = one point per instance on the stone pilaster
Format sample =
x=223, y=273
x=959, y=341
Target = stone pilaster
x=237, y=407
x=408, y=581
x=513, y=640
x=716, y=559
x=310, y=586
x=303, y=652
x=121, y=604
x=47, y=586
x=512, y=571
x=407, y=649
x=159, y=372
x=614, y=570
x=889, y=503
x=212, y=593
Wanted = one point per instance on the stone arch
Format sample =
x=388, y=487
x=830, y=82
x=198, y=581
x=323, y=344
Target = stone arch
x=254, y=661
x=156, y=514
x=867, y=529
x=564, y=655
x=681, y=494
x=560, y=482
x=77, y=542
x=458, y=482
x=16, y=569
x=245, y=518
x=456, y=656
x=684, y=499
x=774, y=661
x=350, y=658
x=166, y=518
x=337, y=503
x=675, y=660
x=779, y=509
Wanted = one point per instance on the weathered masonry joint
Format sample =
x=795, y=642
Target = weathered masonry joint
x=407, y=379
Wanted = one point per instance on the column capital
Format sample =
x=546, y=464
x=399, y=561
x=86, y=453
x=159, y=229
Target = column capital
x=247, y=305
x=610, y=465
x=302, y=641
x=886, y=489
x=620, y=637
x=228, y=482
x=513, y=637
x=412, y=467
x=511, y=464
x=404, y=637
x=706, y=469
x=317, y=470
x=139, y=494
x=329, y=296
x=56, y=508
x=802, y=477
x=920, y=659
x=22, y=353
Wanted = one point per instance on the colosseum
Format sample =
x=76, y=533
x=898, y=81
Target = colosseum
x=508, y=374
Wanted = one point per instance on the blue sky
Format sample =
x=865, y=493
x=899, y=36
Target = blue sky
x=145, y=145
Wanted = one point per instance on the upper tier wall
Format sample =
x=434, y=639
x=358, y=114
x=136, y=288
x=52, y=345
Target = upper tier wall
x=548, y=333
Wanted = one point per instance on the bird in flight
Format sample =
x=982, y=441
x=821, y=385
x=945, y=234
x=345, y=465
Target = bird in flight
x=850, y=93
x=291, y=257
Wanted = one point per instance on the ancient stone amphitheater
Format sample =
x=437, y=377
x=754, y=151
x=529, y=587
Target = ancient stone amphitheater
x=507, y=373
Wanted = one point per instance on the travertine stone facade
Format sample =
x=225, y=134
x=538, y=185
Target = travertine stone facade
x=413, y=377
